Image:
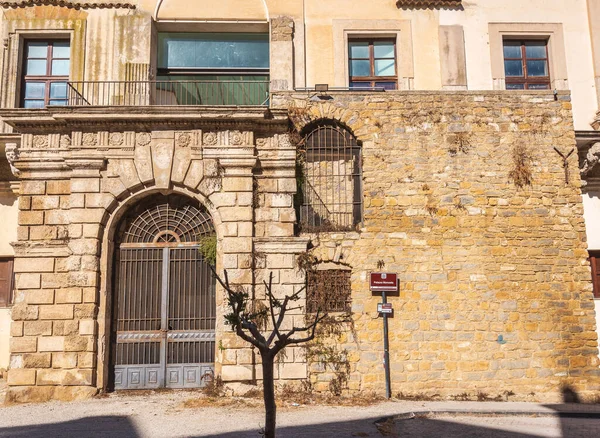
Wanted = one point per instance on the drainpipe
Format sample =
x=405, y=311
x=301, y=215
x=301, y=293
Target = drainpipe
x=593, y=7
x=304, y=25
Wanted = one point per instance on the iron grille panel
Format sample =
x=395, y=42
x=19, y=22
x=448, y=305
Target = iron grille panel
x=190, y=352
x=139, y=289
x=166, y=223
x=331, y=192
x=328, y=290
x=192, y=291
x=138, y=353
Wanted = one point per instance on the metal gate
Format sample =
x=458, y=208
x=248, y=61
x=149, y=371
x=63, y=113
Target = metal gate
x=164, y=307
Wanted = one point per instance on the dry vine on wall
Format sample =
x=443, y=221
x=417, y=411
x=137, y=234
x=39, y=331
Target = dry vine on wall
x=325, y=351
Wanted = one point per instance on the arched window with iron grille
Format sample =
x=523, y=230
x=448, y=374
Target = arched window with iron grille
x=330, y=189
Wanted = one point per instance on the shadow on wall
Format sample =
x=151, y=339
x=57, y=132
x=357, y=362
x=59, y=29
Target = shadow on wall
x=7, y=200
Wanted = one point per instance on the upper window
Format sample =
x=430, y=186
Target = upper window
x=526, y=65
x=330, y=192
x=45, y=73
x=372, y=63
x=6, y=282
x=213, y=68
x=216, y=52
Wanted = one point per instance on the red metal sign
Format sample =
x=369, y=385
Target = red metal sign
x=384, y=282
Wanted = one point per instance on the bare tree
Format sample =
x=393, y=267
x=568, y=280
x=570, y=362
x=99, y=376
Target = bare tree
x=250, y=320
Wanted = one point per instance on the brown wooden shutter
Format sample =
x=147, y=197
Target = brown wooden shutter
x=6, y=282
x=595, y=262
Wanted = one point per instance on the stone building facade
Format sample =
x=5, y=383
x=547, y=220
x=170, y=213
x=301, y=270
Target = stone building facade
x=472, y=194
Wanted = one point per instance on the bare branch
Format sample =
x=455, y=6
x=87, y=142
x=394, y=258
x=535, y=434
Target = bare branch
x=312, y=327
x=240, y=332
x=276, y=325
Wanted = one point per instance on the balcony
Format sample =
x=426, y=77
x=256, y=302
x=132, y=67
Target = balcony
x=168, y=93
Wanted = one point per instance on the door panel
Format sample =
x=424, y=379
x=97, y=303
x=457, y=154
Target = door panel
x=164, y=305
x=191, y=338
x=165, y=319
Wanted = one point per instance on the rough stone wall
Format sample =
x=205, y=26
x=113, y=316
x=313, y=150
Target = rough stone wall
x=76, y=184
x=495, y=291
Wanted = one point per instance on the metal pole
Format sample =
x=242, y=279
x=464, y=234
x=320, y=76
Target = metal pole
x=386, y=351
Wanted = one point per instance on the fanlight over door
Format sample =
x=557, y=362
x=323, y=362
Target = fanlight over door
x=164, y=305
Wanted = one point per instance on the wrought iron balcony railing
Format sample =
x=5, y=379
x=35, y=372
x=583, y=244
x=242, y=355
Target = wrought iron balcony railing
x=168, y=93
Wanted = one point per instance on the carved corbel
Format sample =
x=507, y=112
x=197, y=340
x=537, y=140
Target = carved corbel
x=591, y=160
x=12, y=155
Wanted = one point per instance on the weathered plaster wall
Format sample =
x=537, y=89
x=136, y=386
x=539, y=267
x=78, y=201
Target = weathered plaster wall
x=591, y=207
x=477, y=257
x=116, y=37
x=475, y=20
x=4, y=338
x=8, y=230
x=8, y=233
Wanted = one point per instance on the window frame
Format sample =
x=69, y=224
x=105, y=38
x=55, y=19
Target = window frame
x=46, y=79
x=552, y=32
x=372, y=79
x=527, y=80
x=345, y=143
x=212, y=71
x=6, y=297
x=593, y=255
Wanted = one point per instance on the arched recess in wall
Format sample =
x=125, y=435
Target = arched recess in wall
x=224, y=10
x=177, y=234
x=329, y=177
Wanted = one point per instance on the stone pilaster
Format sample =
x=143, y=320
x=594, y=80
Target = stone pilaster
x=282, y=54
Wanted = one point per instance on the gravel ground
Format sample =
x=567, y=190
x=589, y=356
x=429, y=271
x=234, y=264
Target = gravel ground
x=163, y=414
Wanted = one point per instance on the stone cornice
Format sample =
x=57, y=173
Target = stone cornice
x=73, y=4
x=281, y=245
x=58, y=119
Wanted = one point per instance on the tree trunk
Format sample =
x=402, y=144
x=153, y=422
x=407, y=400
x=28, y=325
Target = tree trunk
x=269, y=394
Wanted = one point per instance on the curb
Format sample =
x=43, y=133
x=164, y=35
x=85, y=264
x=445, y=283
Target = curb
x=461, y=412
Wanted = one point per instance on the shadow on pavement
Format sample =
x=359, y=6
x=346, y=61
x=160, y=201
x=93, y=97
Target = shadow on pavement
x=108, y=426
x=418, y=427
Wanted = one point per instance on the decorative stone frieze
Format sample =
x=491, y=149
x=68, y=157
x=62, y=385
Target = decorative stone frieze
x=76, y=4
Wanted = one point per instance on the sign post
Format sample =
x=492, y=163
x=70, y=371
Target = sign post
x=384, y=282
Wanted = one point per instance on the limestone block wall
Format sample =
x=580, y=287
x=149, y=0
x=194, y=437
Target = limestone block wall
x=495, y=287
x=76, y=185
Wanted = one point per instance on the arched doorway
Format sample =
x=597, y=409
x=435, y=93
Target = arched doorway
x=163, y=325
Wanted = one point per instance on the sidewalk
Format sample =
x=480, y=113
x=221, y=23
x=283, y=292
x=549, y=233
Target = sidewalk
x=164, y=415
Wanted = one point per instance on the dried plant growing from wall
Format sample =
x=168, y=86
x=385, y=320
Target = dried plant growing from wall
x=459, y=142
x=522, y=172
x=208, y=248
